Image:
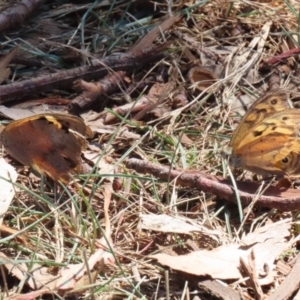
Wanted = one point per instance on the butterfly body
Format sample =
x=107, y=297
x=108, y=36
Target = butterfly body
x=50, y=143
x=267, y=140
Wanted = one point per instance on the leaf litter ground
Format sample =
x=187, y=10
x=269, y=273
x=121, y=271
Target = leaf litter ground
x=158, y=83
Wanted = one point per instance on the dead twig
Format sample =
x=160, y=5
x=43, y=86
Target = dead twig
x=64, y=79
x=285, y=200
x=17, y=13
x=283, y=56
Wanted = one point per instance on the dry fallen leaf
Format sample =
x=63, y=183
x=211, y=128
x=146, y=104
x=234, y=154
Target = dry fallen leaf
x=201, y=78
x=223, y=262
x=36, y=277
x=165, y=223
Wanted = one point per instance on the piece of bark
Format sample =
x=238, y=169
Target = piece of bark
x=133, y=108
x=218, y=290
x=248, y=268
x=64, y=79
x=144, y=105
x=158, y=94
x=92, y=91
x=290, y=285
x=283, y=267
x=15, y=14
x=284, y=200
x=147, y=40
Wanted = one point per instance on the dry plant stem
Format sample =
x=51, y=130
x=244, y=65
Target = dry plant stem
x=4, y=62
x=7, y=231
x=284, y=200
x=17, y=13
x=167, y=287
x=248, y=268
x=64, y=79
x=289, y=285
x=4, y=280
x=92, y=91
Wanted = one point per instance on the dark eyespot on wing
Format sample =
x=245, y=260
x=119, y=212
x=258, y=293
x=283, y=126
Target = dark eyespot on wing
x=257, y=133
x=274, y=101
x=285, y=160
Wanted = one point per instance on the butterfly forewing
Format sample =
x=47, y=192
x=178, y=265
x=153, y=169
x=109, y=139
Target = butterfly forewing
x=267, y=140
x=285, y=123
x=50, y=143
x=257, y=112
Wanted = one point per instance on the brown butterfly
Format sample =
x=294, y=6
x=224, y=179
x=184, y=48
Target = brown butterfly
x=267, y=140
x=50, y=143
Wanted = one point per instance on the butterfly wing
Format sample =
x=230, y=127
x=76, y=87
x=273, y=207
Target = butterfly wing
x=271, y=146
x=68, y=123
x=275, y=155
x=50, y=143
x=284, y=123
x=262, y=108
